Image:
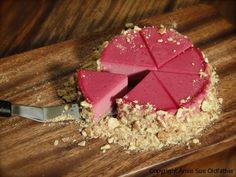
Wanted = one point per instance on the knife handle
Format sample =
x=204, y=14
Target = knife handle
x=5, y=108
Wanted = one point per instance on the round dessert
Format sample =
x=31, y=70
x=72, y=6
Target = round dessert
x=170, y=96
x=175, y=73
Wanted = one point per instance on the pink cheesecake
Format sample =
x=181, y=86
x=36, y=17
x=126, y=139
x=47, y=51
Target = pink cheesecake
x=172, y=93
x=100, y=89
x=175, y=66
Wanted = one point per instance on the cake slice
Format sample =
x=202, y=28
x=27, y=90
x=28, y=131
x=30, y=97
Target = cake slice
x=150, y=91
x=100, y=89
x=127, y=54
x=190, y=61
x=183, y=88
x=164, y=44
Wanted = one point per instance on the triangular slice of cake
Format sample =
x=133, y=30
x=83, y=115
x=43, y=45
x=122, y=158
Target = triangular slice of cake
x=127, y=54
x=190, y=61
x=150, y=91
x=100, y=89
x=183, y=88
x=164, y=44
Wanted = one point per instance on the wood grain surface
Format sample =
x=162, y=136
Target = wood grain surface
x=27, y=24
x=26, y=147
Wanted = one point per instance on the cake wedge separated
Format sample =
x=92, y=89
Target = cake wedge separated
x=100, y=90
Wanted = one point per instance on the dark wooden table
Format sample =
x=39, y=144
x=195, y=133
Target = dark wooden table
x=30, y=25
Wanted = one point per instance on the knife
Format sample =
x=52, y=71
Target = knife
x=40, y=114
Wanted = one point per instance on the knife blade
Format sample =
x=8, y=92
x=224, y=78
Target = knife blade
x=40, y=114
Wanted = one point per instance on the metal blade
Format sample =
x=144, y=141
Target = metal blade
x=42, y=114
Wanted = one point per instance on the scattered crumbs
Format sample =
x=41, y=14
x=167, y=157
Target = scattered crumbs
x=170, y=39
x=98, y=65
x=147, y=36
x=82, y=143
x=131, y=148
x=179, y=113
x=202, y=74
x=174, y=50
x=160, y=40
x=182, y=101
x=119, y=100
x=162, y=30
x=84, y=133
x=193, y=64
x=162, y=26
x=113, y=123
x=128, y=40
x=129, y=25
x=136, y=28
x=110, y=140
x=174, y=24
x=83, y=75
x=65, y=140
x=85, y=104
x=178, y=43
x=188, y=145
x=196, y=141
x=120, y=46
x=132, y=129
x=106, y=147
x=62, y=117
x=203, y=54
x=220, y=100
x=56, y=142
x=38, y=99
x=4, y=79
x=188, y=98
x=205, y=106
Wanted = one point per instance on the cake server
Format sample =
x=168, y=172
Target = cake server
x=40, y=114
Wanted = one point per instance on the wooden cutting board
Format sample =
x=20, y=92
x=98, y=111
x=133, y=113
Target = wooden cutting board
x=27, y=148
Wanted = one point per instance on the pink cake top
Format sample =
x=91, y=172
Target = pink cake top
x=151, y=48
x=101, y=89
x=174, y=64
